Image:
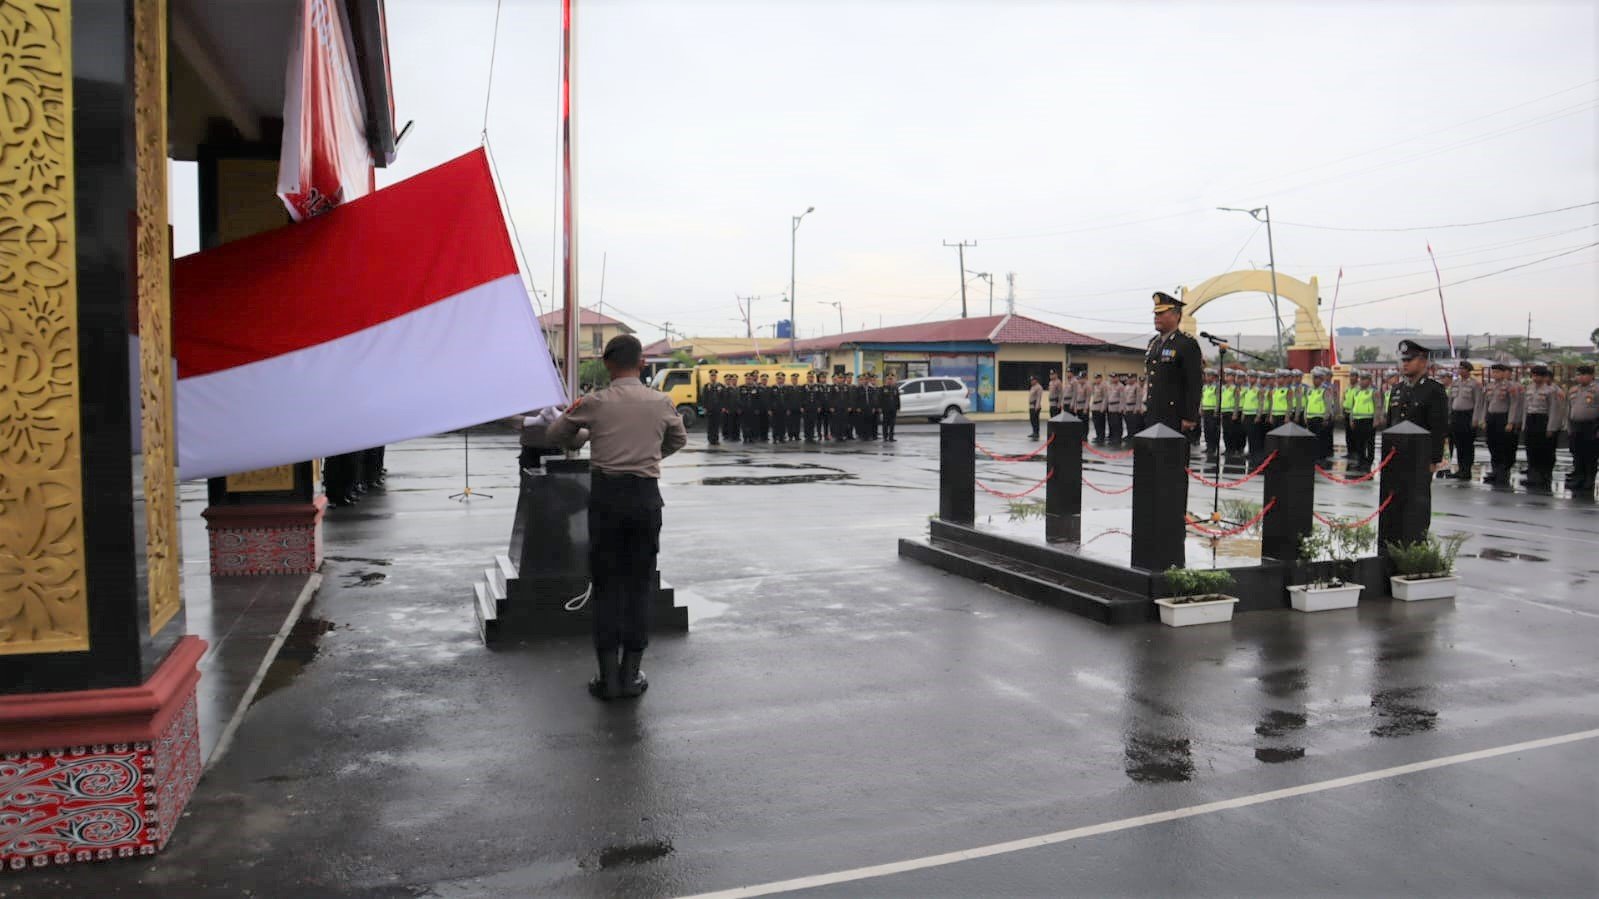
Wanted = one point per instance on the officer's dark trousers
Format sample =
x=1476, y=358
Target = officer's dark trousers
x=752, y=426
x=1584, y=454
x=1135, y=422
x=1460, y=434
x=794, y=422
x=374, y=465
x=1257, y=441
x=1212, y=433
x=1054, y=410
x=1032, y=419
x=810, y=425
x=1363, y=441
x=1114, y=422
x=1323, y=432
x=713, y=426
x=1501, y=443
x=765, y=426
x=891, y=418
x=730, y=427
x=1540, y=448
x=624, y=538
x=1232, y=432
x=1099, y=426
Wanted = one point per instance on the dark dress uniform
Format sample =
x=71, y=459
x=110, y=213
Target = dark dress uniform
x=810, y=397
x=870, y=410
x=1424, y=402
x=1176, y=372
x=888, y=404
x=711, y=401
x=731, y=410
x=795, y=408
x=749, y=402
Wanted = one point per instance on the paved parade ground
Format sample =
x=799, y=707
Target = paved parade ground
x=843, y=722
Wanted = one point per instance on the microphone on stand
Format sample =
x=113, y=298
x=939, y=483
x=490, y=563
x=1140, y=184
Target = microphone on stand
x=1212, y=338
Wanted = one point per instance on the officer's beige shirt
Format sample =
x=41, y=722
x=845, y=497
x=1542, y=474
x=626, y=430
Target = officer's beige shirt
x=1035, y=397
x=1582, y=402
x=629, y=428
x=1545, y=399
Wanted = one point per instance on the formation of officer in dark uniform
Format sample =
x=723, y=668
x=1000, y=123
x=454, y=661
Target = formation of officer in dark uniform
x=349, y=476
x=784, y=410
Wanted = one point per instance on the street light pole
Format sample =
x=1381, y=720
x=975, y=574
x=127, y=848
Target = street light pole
x=990, y=279
x=793, y=238
x=1271, y=255
x=839, y=305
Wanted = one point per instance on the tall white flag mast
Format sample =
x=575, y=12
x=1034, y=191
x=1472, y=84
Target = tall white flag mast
x=571, y=312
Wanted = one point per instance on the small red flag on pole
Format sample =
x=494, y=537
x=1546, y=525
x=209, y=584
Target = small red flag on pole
x=1332, y=318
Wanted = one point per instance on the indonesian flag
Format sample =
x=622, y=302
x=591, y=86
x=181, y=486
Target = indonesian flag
x=399, y=315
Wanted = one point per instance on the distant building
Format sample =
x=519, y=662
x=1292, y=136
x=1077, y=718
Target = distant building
x=593, y=330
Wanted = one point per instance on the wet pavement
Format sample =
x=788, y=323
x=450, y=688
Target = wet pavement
x=835, y=707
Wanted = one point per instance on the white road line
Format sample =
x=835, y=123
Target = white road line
x=300, y=602
x=1064, y=836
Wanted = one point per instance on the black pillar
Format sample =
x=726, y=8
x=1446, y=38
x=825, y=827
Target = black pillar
x=957, y=469
x=1063, y=495
x=1291, y=481
x=1160, y=498
x=1406, y=486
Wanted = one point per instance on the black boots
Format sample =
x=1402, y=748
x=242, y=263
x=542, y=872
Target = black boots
x=608, y=684
x=633, y=682
x=621, y=680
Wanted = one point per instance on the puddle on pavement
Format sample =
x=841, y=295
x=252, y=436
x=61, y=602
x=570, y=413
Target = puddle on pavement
x=365, y=578
x=1277, y=756
x=778, y=479
x=633, y=854
x=1504, y=555
x=1159, y=760
x=299, y=650
x=1276, y=723
x=362, y=561
x=1398, y=716
x=1285, y=682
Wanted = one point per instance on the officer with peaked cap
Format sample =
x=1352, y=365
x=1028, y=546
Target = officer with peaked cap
x=1175, y=369
x=1502, y=398
x=1419, y=399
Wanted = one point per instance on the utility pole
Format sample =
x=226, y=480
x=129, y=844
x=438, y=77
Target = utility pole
x=839, y=305
x=746, y=307
x=1271, y=252
x=961, y=247
x=667, y=327
x=1010, y=293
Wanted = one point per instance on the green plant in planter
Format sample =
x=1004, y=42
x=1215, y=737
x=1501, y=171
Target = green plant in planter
x=1021, y=509
x=1340, y=545
x=1431, y=557
x=1241, y=510
x=1197, y=584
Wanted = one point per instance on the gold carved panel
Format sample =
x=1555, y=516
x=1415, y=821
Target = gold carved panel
x=43, y=594
x=154, y=279
x=262, y=480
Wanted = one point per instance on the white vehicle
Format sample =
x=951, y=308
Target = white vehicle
x=933, y=397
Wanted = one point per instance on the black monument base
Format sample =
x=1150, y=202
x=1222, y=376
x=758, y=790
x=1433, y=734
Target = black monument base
x=1095, y=588
x=527, y=592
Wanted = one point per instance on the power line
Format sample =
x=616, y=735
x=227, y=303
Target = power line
x=1412, y=293
x=1511, y=218
x=1468, y=251
x=1417, y=137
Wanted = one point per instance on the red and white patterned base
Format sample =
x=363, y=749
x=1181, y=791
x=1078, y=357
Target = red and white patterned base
x=92, y=803
x=264, y=540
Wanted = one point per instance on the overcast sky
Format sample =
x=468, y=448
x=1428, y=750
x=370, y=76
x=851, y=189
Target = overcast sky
x=1084, y=147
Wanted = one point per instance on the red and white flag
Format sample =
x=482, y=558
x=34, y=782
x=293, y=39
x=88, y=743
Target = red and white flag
x=396, y=316
x=325, y=160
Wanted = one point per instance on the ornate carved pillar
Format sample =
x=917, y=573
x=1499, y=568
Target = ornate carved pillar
x=268, y=521
x=96, y=677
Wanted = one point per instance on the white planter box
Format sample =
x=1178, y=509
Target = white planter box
x=1182, y=614
x=1306, y=598
x=1412, y=589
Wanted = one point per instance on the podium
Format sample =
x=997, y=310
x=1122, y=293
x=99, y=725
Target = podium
x=537, y=588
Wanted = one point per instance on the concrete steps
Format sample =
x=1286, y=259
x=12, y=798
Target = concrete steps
x=1080, y=596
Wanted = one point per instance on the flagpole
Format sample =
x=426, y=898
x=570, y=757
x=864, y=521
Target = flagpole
x=1332, y=318
x=571, y=315
x=1445, y=312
